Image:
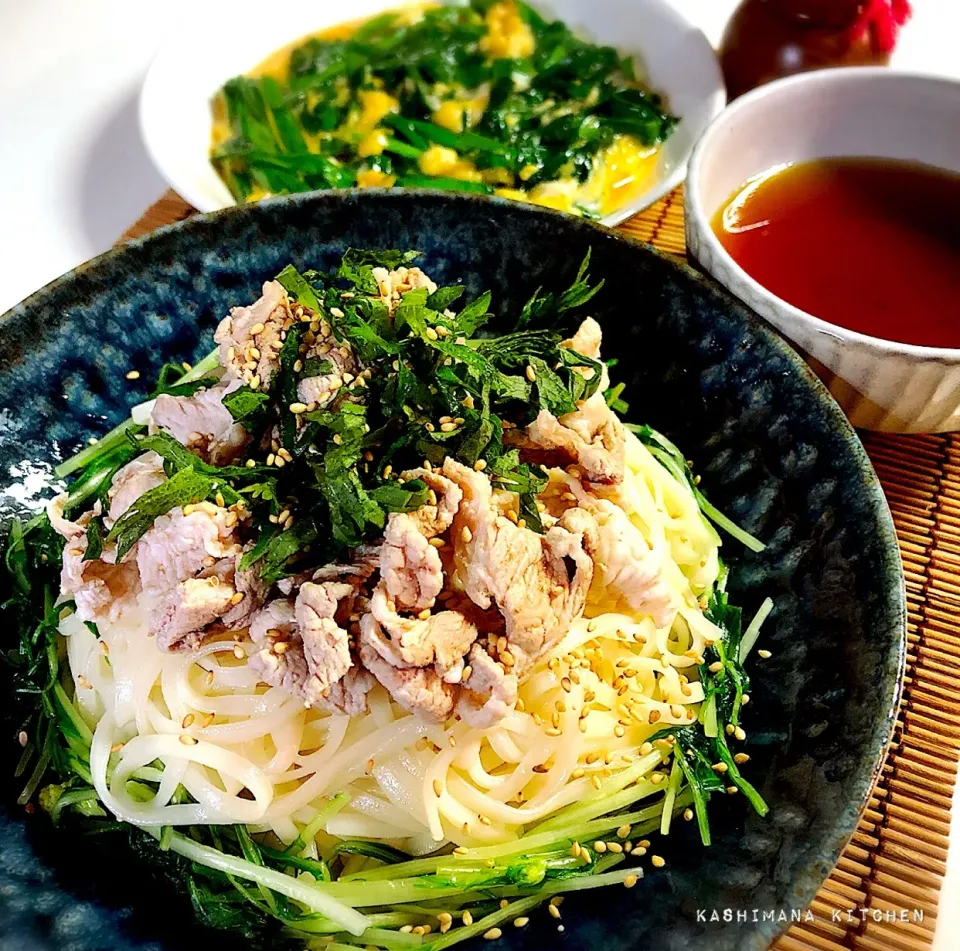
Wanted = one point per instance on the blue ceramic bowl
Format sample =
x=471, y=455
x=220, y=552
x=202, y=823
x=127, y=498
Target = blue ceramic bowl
x=774, y=451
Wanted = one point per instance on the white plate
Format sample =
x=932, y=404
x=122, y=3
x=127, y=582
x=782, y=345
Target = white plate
x=671, y=53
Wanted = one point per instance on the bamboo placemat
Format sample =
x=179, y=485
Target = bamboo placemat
x=895, y=863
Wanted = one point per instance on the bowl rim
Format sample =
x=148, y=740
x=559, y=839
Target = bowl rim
x=678, y=15
x=808, y=880
x=698, y=220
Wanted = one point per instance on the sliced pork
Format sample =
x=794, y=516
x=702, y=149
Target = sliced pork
x=201, y=423
x=250, y=338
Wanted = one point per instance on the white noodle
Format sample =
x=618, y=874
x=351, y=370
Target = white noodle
x=248, y=753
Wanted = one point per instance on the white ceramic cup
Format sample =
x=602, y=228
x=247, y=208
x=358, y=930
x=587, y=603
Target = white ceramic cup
x=869, y=111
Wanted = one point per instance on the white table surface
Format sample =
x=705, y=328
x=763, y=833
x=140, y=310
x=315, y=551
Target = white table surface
x=74, y=173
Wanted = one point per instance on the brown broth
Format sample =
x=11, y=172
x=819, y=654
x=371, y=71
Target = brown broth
x=869, y=244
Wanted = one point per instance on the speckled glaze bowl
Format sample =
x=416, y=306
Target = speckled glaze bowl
x=774, y=451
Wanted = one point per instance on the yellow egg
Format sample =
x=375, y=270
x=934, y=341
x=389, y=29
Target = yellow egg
x=459, y=114
x=374, y=105
x=517, y=194
x=373, y=178
x=508, y=36
x=446, y=163
x=620, y=173
x=497, y=176
x=373, y=143
x=560, y=194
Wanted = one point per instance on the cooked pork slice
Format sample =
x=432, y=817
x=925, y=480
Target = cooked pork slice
x=437, y=514
x=302, y=647
x=326, y=645
x=201, y=422
x=136, y=477
x=273, y=625
x=279, y=615
x=409, y=565
x=349, y=694
x=442, y=639
x=627, y=565
x=364, y=561
x=394, y=284
x=286, y=670
x=587, y=339
x=64, y=526
x=101, y=589
x=489, y=693
x=417, y=689
x=178, y=618
x=591, y=438
x=179, y=546
x=246, y=583
x=539, y=583
x=344, y=367
x=250, y=337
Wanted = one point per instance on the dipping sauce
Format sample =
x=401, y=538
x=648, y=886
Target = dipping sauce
x=872, y=245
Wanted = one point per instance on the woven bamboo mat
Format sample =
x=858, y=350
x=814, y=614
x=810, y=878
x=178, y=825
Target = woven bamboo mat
x=894, y=865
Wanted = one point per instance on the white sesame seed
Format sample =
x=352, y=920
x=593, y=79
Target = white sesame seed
x=531, y=373
x=764, y=654
x=133, y=375
x=657, y=861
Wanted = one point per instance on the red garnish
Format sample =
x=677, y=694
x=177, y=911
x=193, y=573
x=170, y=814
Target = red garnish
x=883, y=19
